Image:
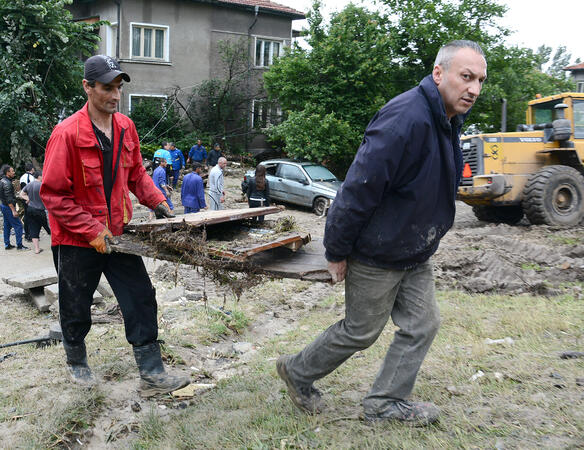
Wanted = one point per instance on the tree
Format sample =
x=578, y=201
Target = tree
x=363, y=59
x=220, y=106
x=336, y=86
x=40, y=50
x=154, y=127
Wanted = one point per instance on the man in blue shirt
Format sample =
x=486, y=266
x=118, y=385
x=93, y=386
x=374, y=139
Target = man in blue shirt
x=192, y=193
x=178, y=162
x=163, y=153
x=159, y=178
x=197, y=153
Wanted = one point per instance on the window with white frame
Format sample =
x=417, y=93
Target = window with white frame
x=149, y=41
x=148, y=100
x=580, y=86
x=265, y=114
x=111, y=37
x=266, y=51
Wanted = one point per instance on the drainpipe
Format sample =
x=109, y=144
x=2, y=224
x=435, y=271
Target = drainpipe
x=255, y=19
x=119, y=5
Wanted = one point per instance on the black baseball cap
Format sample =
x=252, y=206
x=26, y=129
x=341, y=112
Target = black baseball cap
x=103, y=69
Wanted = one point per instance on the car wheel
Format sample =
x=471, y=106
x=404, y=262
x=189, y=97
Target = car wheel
x=320, y=206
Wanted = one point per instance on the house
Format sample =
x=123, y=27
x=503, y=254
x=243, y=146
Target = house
x=170, y=44
x=577, y=74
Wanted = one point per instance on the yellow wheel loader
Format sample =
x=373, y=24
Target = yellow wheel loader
x=537, y=171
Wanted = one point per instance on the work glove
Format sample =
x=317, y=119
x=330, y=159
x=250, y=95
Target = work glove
x=163, y=210
x=99, y=243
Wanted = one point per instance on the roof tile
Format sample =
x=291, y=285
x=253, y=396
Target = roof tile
x=267, y=4
x=575, y=67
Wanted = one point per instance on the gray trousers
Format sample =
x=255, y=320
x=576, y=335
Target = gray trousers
x=372, y=295
x=215, y=201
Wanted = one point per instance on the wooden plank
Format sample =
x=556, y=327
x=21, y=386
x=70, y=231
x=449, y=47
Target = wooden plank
x=308, y=263
x=203, y=218
x=33, y=279
x=294, y=242
x=296, y=239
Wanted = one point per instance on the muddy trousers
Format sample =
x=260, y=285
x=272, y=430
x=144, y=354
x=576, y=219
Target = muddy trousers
x=372, y=295
x=80, y=270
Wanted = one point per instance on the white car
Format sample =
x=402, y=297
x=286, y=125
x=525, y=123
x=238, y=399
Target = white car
x=301, y=183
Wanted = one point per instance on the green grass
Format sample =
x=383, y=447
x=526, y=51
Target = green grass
x=521, y=410
x=67, y=422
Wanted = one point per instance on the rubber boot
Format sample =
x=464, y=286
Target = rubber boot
x=77, y=364
x=154, y=379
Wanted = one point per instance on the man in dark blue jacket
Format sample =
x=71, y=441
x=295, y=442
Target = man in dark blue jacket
x=192, y=193
x=178, y=162
x=387, y=219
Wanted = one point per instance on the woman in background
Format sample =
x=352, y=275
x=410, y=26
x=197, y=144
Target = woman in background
x=258, y=190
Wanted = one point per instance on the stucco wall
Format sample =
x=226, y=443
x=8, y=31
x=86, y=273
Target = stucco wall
x=195, y=30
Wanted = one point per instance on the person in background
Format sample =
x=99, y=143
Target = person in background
x=214, y=156
x=159, y=178
x=396, y=203
x=216, y=185
x=258, y=190
x=197, y=153
x=160, y=154
x=26, y=178
x=37, y=215
x=178, y=162
x=192, y=192
x=92, y=163
x=9, y=213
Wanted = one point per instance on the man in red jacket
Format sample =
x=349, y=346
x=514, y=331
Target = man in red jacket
x=92, y=162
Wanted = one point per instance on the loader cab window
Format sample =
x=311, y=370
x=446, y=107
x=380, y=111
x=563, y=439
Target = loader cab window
x=544, y=112
x=578, y=106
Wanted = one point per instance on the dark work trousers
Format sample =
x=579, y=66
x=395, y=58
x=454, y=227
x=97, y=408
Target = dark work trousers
x=79, y=272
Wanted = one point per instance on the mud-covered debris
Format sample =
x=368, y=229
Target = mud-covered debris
x=571, y=355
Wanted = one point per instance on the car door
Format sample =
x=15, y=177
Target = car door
x=294, y=184
x=275, y=182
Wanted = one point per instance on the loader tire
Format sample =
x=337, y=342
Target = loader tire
x=498, y=214
x=554, y=195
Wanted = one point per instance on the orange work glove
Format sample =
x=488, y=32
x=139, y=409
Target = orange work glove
x=99, y=242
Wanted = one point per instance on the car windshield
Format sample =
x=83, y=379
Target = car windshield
x=319, y=173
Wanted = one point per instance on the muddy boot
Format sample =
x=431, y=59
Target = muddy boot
x=306, y=397
x=77, y=364
x=154, y=379
x=411, y=413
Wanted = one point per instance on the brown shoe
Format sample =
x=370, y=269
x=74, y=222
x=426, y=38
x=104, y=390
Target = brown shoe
x=306, y=397
x=412, y=413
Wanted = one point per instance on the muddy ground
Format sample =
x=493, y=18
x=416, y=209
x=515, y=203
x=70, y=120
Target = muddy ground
x=474, y=256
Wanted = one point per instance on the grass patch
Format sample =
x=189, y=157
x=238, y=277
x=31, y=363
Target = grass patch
x=66, y=424
x=521, y=408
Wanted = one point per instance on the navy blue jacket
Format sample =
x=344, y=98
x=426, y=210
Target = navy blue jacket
x=397, y=200
x=192, y=193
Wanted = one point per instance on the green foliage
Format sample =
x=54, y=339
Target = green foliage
x=363, y=59
x=514, y=75
x=332, y=91
x=219, y=105
x=420, y=27
x=156, y=119
x=313, y=135
x=40, y=50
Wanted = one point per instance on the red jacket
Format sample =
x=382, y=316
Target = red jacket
x=72, y=187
